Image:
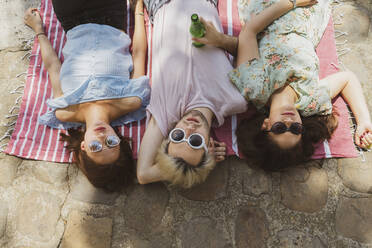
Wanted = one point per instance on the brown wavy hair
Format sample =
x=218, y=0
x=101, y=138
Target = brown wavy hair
x=110, y=177
x=257, y=145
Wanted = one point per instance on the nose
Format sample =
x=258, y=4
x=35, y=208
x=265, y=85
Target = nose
x=288, y=122
x=190, y=128
x=101, y=135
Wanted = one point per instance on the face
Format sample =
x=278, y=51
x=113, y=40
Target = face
x=192, y=122
x=99, y=132
x=288, y=115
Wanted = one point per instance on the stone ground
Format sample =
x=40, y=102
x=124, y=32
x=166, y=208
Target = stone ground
x=322, y=204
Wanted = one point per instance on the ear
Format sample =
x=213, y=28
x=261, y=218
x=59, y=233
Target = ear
x=265, y=124
x=82, y=145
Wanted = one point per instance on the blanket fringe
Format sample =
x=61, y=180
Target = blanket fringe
x=12, y=115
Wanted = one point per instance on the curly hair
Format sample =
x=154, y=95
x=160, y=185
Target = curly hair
x=257, y=144
x=178, y=172
x=111, y=177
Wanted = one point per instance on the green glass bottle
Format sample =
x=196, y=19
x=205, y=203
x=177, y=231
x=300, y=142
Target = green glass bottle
x=197, y=29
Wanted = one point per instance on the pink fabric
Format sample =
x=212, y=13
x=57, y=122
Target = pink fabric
x=185, y=77
x=33, y=141
x=341, y=144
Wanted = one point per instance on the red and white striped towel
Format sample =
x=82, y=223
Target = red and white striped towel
x=34, y=141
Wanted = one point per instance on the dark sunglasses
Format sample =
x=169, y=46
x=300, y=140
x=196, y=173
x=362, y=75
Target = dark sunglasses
x=195, y=140
x=97, y=146
x=279, y=128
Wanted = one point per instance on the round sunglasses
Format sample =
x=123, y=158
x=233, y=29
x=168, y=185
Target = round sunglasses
x=195, y=140
x=280, y=127
x=111, y=141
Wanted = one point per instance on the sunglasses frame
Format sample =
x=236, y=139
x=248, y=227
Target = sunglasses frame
x=101, y=149
x=288, y=129
x=202, y=145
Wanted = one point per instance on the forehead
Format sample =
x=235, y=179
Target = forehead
x=184, y=151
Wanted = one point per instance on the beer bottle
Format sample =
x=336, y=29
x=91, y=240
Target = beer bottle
x=197, y=29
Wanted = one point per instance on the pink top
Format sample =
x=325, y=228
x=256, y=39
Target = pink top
x=185, y=77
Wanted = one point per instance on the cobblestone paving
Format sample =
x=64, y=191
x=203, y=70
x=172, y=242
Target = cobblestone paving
x=320, y=204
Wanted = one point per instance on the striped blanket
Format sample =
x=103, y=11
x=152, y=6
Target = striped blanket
x=34, y=141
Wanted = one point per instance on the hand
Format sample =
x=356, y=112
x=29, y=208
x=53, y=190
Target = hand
x=305, y=3
x=212, y=36
x=33, y=20
x=363, y=135
x=217, y=149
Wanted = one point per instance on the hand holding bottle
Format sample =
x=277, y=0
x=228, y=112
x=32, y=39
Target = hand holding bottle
x=211, y=35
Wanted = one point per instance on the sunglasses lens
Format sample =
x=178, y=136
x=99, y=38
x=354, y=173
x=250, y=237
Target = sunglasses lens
x=95, y=146
x=177, y=135
x=296, y=128
x=112, y=141
x=278, y=128
x=195, y=140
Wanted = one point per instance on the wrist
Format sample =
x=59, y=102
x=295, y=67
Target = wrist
x=39, y=30
x=40, y=34
x=294, y=3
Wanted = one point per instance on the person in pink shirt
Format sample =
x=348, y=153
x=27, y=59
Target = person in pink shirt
x=191, y=92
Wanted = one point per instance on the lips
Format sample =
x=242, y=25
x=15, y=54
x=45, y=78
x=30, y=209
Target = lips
x=289, y=113
x=192, y=119
x=99, y=129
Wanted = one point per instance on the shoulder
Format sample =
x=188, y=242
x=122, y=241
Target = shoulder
x=131, y=103
x=68, y=114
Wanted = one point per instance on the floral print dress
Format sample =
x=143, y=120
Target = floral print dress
x=287, y=57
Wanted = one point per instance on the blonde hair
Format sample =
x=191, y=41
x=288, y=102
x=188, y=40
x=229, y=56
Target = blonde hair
x=178, y=172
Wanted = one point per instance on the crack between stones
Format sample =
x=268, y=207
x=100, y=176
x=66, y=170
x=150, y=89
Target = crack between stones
x=63, y=204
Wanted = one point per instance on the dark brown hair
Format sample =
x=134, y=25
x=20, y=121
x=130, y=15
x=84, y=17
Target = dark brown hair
x=257, y=145
x=110, y=177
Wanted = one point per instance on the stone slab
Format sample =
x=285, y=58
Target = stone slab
x=201, y=232
x=355, y=174
x=37, y=215
x=82, y=190
x=213, y=188
x=145, y=207
x=354, y=219
x=48, y=172
x=304, y=189
x=297, y=239
x=3, y=217
x=256, y=182
x=83, y=231
x=14, y=32
x=251, y=228
x=8, y=169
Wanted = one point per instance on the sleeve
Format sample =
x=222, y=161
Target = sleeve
x=313, y=97
x=251, y=81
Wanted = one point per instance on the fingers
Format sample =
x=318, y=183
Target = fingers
x=203, y=21
x=220, y=150
x=220, y=158
x=364, y=140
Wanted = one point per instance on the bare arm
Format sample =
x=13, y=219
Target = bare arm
x=50, y=59
x=147, y=170
x=248, y=47
x=256, y=25
x=52, y=64
x=139, y=47
x=347, y=84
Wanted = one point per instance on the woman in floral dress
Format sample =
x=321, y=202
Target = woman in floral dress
x=277, y=71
